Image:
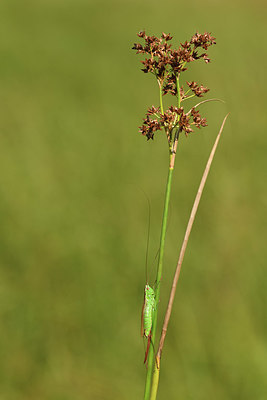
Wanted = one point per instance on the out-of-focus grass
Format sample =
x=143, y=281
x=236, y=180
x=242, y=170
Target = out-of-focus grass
x=74, y=220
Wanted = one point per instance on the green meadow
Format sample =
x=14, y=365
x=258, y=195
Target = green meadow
x=74, y=218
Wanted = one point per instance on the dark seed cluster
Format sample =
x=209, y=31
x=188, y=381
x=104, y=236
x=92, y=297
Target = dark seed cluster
x=199, y=90
x=167, y=63
x=173, y=117
x=162, y=56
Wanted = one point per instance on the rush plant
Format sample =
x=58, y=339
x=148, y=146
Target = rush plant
x=167, y=64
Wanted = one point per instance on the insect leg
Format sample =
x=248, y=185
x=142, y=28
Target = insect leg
x=147, y=348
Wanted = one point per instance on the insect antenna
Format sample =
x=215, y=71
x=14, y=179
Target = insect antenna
x=148, y=235
x=148, y=232
x=148, y=270
x=157, y=254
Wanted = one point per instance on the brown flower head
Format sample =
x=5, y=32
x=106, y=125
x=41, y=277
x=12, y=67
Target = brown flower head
x=203, y=41
x=149, y=127
x=184, y=122
x=153, y=110
x=162, y=58
x=158, y=50
x=199, y=90
x=197, y=120
x=170, y=85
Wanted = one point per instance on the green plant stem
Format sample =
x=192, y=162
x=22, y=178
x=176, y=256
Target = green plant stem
x=155, y=380
x=150, y=361
x=161, y=98
x=178, y=91
x=189, y=97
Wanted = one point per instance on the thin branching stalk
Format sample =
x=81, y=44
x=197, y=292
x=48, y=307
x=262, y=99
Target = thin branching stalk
x=178, y=91
x=155, y=380
x=160, y=98
x=202, y=102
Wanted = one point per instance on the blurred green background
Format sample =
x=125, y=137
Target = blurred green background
x=74, y=218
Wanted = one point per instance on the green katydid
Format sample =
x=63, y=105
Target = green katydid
x=147, y=315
